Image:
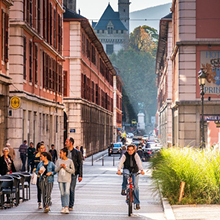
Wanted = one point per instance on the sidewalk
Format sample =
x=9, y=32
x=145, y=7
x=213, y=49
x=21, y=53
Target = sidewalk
x=191, y=212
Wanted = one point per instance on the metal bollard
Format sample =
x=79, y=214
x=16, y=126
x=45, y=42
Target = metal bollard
x=103, y=160
x=113, y=160
x=92, y=159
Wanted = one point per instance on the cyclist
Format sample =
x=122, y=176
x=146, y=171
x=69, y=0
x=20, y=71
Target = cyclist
x=132, y=163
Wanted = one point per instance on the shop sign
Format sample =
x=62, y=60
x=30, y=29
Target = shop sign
x=210, y=61
x=211, y=117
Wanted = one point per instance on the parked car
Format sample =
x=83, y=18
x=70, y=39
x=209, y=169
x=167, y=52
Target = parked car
x=117, y=148
x=137, y=140
x=152, y=146
x=130, y=135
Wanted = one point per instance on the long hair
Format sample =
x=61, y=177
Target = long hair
x=47, y=155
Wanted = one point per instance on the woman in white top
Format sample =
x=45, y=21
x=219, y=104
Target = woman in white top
x=64, y=168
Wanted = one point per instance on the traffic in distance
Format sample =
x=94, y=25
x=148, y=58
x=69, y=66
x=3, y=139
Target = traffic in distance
x=146, y=145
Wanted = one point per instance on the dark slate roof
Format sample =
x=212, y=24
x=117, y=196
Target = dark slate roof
x=94, y=24
x=108, y=15
x=69, y=14
x=169, y=16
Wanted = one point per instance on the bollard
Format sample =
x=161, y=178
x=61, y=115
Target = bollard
x=103, y=160
x=92, y=159
x=113, y=160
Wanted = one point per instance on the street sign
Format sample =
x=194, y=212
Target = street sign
x=15, y=102
x=72, y=130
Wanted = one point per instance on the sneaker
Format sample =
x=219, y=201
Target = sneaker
x=123, y=193
x=137, y=206
x=46, y=209
x=70, y=208
x=39, y=205
x=66, y=211
x=62, y=210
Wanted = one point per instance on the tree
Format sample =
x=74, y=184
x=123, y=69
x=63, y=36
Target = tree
x=144, y=38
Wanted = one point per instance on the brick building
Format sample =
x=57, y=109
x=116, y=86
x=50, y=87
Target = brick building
x=5, y=79
x=88, y=85
x=190, y=40
x=36, y=70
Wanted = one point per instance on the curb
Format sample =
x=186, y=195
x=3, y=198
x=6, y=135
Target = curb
x=168, y=211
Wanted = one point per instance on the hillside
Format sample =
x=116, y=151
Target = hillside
x=154, y=14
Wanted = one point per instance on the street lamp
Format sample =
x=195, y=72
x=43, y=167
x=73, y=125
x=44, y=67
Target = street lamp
x=202, y=80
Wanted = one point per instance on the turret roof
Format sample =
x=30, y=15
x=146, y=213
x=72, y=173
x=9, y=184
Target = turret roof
x=109, y=14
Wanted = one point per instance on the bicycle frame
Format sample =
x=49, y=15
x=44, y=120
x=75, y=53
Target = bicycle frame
x=130, y=192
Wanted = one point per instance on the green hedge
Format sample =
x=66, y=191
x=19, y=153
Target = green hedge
x=200, y=170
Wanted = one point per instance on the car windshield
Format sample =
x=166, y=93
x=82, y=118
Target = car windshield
x=117, y=145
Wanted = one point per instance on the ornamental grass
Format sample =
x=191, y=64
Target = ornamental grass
x=199, y=169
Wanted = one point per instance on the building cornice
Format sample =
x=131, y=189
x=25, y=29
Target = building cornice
x=35, y=98
x=194, y=103
x=8, y=2
x=5, y=79
x=199, y=42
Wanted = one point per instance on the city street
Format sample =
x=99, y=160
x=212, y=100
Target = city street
x=97, y=197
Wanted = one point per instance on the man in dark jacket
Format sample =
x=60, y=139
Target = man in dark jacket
x=76, y=156
x=132, y=163
x=23, y=154
x=31, y=156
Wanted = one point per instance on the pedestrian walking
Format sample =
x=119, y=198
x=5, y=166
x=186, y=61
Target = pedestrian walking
x=46, y=170
x=31, y=156
x=23, y=154
x=64, y=168
x=11, y=151
x=53, y=153
x=75, y=155
x=39, y=149
x=6, y=163
x=82, y=152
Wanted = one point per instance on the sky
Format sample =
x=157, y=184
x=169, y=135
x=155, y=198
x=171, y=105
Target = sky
x=93, y=9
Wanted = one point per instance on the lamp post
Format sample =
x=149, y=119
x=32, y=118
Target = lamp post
x=202, y=80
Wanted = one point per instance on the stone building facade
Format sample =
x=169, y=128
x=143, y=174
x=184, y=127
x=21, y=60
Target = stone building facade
x=5, y=79
x=112, y=28
x=195, y=43
x=36, y=70
x=88, y=85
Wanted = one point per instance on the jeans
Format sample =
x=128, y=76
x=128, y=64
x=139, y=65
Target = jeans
x=72, y=190
x=46, y=189
x=135, y=179
x=23, y=160
x=65, y=193
x=38, y=190
x=30, y=163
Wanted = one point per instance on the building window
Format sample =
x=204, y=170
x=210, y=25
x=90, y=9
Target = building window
x=93, y=55
x=97, y=31
x=103, y=31
x=24, y=58
x=30, y=61
x=83, y=43
x=54, y=28
x=36, y=63
x=31, y=13
x=4, y=25
x=88, y=48
x=38, y=15
x=65, y=83
x=109, y=49
x=116, y=31
x=110, y=30
x=122, y=31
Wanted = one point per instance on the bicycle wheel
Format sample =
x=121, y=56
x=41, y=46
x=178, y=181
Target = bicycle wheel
x=129, y=200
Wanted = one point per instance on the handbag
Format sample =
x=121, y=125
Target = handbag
x=34, y=178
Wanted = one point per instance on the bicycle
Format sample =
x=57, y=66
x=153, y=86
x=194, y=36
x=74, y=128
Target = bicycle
x=130, y=192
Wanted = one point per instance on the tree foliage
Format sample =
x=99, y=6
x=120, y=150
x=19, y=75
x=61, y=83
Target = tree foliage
x=137, y=70
x=144, y=38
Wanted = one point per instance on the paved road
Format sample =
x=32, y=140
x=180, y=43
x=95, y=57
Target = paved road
x=97, y=197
